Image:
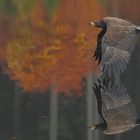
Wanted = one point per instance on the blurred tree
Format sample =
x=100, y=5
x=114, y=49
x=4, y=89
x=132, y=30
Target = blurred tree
x=44, y=51
x=7, y=7
x=51, y=5
x=16, y=114
x=48, y=51
x=24, y=8
x=104, y=1
x=53, y=114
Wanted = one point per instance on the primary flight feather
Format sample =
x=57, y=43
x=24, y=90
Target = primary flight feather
x=115, y=108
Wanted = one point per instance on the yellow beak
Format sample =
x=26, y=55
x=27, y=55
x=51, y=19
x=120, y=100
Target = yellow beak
x=92, y=126
x=92, y=24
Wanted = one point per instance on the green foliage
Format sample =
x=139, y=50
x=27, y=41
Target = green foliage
x=104, y=2
x=12, y=7
x=51, y=5
x=27, y=4
x=7, y=7
x=24, y=6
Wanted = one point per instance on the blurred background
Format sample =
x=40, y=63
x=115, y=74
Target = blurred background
x=47, y=69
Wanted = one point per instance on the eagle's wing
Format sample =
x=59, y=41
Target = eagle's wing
x=117, y=108
x=117, y=46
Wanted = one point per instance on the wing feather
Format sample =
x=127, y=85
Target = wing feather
x=118, y=44
x=116, y=94
x=114, y=60
x=117, y=107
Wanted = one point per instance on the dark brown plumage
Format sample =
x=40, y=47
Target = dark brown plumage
x=115, y=44
x=115, y=108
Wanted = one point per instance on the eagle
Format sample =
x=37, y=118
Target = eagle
x=115, y=107
x=115, y=44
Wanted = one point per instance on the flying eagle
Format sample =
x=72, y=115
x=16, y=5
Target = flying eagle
x=115, y=108
x=115, y=44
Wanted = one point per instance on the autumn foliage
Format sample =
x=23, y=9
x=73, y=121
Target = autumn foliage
x=51, y=49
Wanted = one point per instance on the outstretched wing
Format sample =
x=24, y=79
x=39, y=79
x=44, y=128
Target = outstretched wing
x=98, y=87
x=117, y=46
x=117, y=108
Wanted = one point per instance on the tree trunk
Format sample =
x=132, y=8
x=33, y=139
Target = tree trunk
x=53, y=114
x=91, y=109
x=16, y=108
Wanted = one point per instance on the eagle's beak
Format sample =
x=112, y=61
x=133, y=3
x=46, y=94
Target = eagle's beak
x=92, y=126
x=92, y=24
